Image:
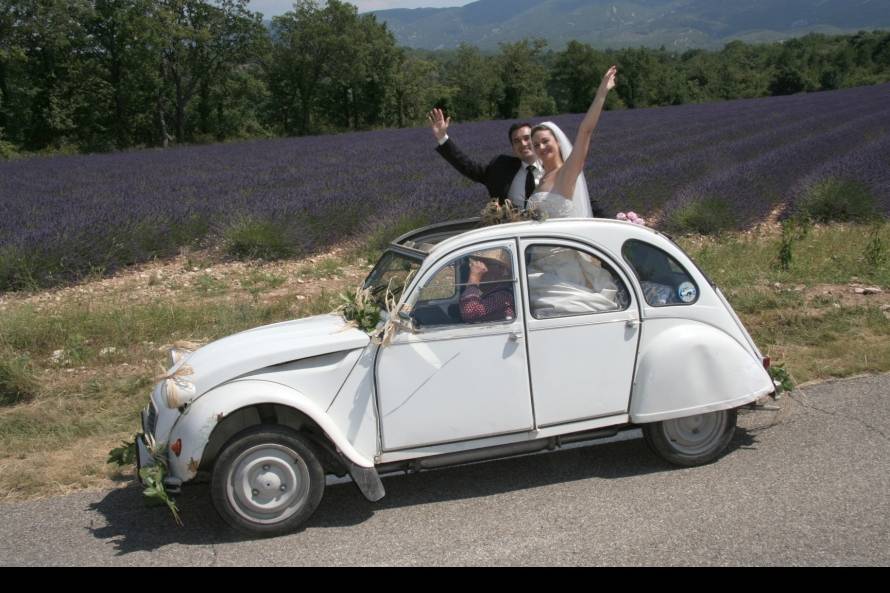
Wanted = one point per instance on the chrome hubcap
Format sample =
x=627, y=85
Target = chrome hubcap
x=695, y=435
x=268, y=483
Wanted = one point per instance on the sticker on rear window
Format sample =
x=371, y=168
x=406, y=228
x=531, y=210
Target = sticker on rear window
x=686, y=291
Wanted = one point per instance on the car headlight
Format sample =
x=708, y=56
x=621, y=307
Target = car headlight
x=178, y=392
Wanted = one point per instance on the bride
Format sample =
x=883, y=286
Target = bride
x=562, y=191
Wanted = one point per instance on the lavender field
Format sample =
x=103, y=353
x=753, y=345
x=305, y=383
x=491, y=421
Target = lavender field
x=64, y=217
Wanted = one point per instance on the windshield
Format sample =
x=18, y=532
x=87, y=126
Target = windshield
x=392, y=273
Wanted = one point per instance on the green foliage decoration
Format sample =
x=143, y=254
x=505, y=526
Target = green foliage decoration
x=124, y=455
x=155, y=492
x=780, y=375
x=361, y=309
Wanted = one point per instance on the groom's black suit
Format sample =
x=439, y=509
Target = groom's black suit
x=497, y=175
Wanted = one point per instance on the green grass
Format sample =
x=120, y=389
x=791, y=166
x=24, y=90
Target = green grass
x=17, y=380
x=84, y=329
x=329, y=267
x=816, y=335
x=257, y=281
x=836, y=254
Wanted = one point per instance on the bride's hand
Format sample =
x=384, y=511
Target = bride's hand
x=608, y=82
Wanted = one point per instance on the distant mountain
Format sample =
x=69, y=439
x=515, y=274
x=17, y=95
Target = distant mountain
x=675, y=24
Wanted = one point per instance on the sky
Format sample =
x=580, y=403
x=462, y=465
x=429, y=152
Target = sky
x=271, y=8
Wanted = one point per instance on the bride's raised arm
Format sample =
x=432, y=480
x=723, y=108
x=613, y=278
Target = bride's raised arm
x=574, y=165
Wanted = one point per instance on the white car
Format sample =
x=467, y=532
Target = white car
x=509, y=339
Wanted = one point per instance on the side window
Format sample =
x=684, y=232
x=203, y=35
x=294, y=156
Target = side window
x=474, y=288
x=663, y=280
x=563, y=281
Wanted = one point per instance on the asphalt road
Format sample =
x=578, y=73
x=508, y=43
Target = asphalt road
x=805, y=485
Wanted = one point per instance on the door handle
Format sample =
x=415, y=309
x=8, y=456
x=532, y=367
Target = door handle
x=516, y=337
x=633, y=323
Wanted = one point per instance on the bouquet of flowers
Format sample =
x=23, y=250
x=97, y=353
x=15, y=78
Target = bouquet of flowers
x=631, y=217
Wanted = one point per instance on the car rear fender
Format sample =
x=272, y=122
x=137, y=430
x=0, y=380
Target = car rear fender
x=688, y=367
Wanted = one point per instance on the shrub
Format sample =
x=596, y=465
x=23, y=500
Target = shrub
x=249, y=238
x=875, y=250
x=17, y=271
x=17, y=381
x=838, y=200
x=708, y=216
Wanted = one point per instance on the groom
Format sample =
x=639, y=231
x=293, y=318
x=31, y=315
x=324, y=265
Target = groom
x=514, y=177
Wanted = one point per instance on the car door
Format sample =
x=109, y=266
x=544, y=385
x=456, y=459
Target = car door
x=583, y=326
x=462, y=373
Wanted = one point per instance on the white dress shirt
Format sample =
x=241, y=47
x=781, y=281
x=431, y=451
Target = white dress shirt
x=517, y=188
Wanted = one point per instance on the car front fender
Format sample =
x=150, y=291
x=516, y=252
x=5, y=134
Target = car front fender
x=688, y=367
x=196, y=425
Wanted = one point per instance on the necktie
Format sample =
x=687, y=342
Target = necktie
x=529, y=181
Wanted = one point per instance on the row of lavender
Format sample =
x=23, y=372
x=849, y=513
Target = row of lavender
x=63, y=216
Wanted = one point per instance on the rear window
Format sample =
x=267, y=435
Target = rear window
x=663, y=280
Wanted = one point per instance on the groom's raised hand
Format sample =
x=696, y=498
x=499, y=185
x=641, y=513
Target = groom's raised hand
x=438, y=123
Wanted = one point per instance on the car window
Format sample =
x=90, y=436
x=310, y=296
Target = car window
x=563, y=281
x=391, y=274
x=475, y=288
x=663, y=280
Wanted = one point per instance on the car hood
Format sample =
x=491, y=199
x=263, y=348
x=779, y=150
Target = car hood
x=258, y=348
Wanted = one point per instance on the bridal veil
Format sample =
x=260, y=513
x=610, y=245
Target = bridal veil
x=580, y=198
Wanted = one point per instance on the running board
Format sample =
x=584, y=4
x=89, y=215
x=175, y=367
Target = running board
x=496, y=452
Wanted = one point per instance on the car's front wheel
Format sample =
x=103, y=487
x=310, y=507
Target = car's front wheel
x=267, y=481
x=693, y=440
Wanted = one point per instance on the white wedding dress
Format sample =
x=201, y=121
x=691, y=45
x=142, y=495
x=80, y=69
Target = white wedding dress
x=555, y=205
x=565, y=281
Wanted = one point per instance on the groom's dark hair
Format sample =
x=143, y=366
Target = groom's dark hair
x=515, y=127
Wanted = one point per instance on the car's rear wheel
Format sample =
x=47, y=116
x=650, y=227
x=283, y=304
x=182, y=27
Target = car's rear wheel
x=267, y=481
x=693, y=440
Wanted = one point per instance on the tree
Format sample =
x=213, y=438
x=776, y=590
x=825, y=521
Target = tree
x=330, y=61
x=301, y=46
x=787, y=81
x=473, y=81
x=125, y=51
x=522, y=76
x=414, y=88
x=200, y=42
x=9, y=51
x=50, y=46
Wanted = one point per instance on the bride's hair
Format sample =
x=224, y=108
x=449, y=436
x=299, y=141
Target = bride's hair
x=543, y=128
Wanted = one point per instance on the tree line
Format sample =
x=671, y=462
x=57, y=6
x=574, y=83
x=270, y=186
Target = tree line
x=101, y=75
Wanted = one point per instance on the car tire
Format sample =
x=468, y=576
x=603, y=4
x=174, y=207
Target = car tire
x=693, y=440
x=267, y=481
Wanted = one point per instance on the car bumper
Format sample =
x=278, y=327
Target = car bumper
x=143, y=455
